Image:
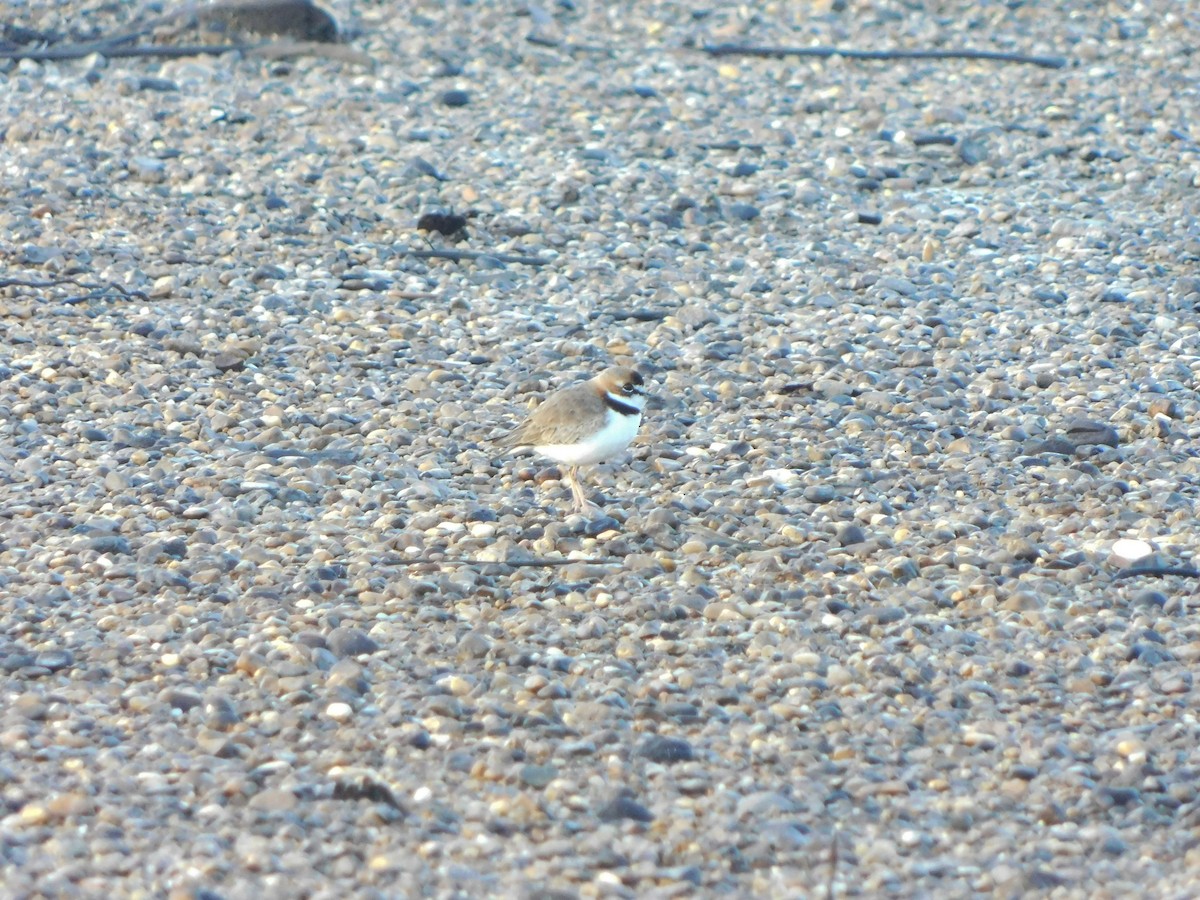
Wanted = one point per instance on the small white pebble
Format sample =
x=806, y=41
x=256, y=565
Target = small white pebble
x=1127, y=550
x=339, y=712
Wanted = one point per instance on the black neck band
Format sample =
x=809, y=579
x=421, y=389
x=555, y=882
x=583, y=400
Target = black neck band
x=616, y=405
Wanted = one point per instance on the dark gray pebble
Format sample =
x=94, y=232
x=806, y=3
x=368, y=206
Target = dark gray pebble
x=1114, y=846
x=268, y=272
x=624, y=808
x=1086, y=431
x=682, y=711
x=597, y=525
x=889, y=614
x=220, y=713
x=347, y=641
x=323, y=659
x=176, y=548
x=312, y=639
x=537, y=776
x=55, y=659
x=229, y=362
x=1150, y=597
x=973, y=150
x=455, y=97
x=850, y=534
x=667, y=750
x=1121, y=796
x=743, y=211
x=820, y=493
x=177, y=698
x=1149, y=654
x=162, y=85
x=928, y=139
x=109, y=543
x=144, y=328
x=14, y=660
x=1058, y=445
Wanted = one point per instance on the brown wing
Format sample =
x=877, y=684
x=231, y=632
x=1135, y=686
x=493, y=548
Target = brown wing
x=562, y=418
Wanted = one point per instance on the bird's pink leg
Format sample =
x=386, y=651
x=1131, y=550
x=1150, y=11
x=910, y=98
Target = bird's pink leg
x=582, y=503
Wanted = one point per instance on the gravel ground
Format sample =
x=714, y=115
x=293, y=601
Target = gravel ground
x=923, y=336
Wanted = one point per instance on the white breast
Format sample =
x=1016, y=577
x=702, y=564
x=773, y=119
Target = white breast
x=606, y=443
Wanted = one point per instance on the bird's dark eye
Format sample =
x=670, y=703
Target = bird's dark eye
x=627, y=389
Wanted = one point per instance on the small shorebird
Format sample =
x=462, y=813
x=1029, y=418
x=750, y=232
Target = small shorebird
x=587, y=423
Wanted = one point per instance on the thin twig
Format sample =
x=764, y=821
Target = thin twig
x=833, y=864
x=1046, y=62
x=462, y=255
x=534, y=562
x=117, y=50
x=1157, y=572
x=98, y=290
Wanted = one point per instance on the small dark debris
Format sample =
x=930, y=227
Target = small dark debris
x=926, y=140
x=624, y=808
x=161, y=85
x=1121, y=796
x=639, y=315
x=445, y=223
x=366, y=786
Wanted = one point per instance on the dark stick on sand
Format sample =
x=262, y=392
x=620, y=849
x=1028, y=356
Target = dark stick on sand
x=1046, y=62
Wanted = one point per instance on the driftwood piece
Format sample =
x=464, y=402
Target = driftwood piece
x=464, y=255
x=1157, y=571
x=97, y=290
x=305, y=29
x=533, y=562
x=1047, y=62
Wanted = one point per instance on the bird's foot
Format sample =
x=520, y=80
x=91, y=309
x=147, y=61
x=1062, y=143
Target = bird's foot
x=588, y=508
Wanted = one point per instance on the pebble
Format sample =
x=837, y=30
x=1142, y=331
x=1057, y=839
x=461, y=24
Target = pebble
x=624, y=808
x=1085, y=431
x=536, y=776
x=54, y=660
x=820, y=493
x=346, y=642
x=339, y=712
x=849, y=535
x=745, y=212
x=666, y=750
